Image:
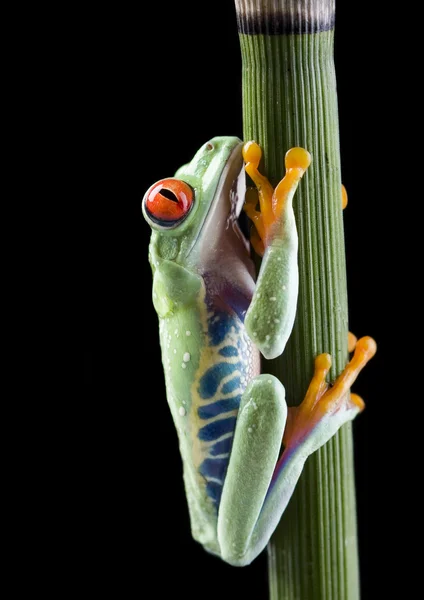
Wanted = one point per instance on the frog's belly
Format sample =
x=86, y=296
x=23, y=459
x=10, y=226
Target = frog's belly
x=228, y=363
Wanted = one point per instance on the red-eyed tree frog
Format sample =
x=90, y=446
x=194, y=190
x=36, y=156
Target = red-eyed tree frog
x=214, y=321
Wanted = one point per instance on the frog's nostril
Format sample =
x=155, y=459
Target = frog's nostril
x=209, y=146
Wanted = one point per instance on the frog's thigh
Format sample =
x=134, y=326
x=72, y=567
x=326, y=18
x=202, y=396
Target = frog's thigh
x=257, y=441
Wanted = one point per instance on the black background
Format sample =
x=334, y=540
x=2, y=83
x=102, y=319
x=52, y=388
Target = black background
x=165, y=82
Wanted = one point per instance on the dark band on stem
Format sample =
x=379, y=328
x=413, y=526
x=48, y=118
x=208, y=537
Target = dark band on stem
x=271, y=17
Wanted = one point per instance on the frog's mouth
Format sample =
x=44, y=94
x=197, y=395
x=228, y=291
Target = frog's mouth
x=227, y=204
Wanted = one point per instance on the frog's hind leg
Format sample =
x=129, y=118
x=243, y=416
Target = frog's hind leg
x=256, y=493
x=257, y=443
x=309, y=426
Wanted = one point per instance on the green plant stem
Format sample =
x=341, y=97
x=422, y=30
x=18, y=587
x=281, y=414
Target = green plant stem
x=289, y=99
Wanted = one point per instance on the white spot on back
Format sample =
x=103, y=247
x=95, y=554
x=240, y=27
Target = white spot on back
x=184, y=366
x=186, y=356
x=249, y=429
x=188, y=332
x=182, y=411
x=267, y=337
x=175, y=351
x=273, y=298
x=284, y=287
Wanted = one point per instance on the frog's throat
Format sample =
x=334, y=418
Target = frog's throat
x=228, y=199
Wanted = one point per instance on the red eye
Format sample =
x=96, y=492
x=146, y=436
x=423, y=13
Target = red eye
x=168, y=201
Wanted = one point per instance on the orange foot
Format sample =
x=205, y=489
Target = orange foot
x=344, y=197
x=325, y=408
x=272, y=202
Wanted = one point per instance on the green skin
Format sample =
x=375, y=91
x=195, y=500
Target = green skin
x=202, y=265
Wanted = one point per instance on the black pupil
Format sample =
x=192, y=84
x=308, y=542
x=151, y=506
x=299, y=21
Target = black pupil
x=169, y=195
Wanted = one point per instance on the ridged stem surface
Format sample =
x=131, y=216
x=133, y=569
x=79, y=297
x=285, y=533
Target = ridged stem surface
x=289, y=99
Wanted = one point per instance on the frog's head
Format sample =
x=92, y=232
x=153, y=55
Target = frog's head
x=190, y=212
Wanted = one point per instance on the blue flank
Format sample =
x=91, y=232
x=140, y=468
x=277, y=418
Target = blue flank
x=214, y=469
x=222, y=447
x=217, y=429
x=229, y=351
x=214, y=491
x=219, y=325
x=231, y=385
x=210, y=381
x=218, y=407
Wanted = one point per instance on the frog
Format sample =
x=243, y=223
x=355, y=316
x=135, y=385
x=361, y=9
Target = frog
x=242, y=448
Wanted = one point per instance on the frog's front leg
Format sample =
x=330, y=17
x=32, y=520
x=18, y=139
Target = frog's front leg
x=271, y=314
x=257, y=488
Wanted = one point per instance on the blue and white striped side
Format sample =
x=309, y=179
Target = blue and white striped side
x=220, y=390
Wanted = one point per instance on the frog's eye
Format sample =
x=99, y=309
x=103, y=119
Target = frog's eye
x=168, y=201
